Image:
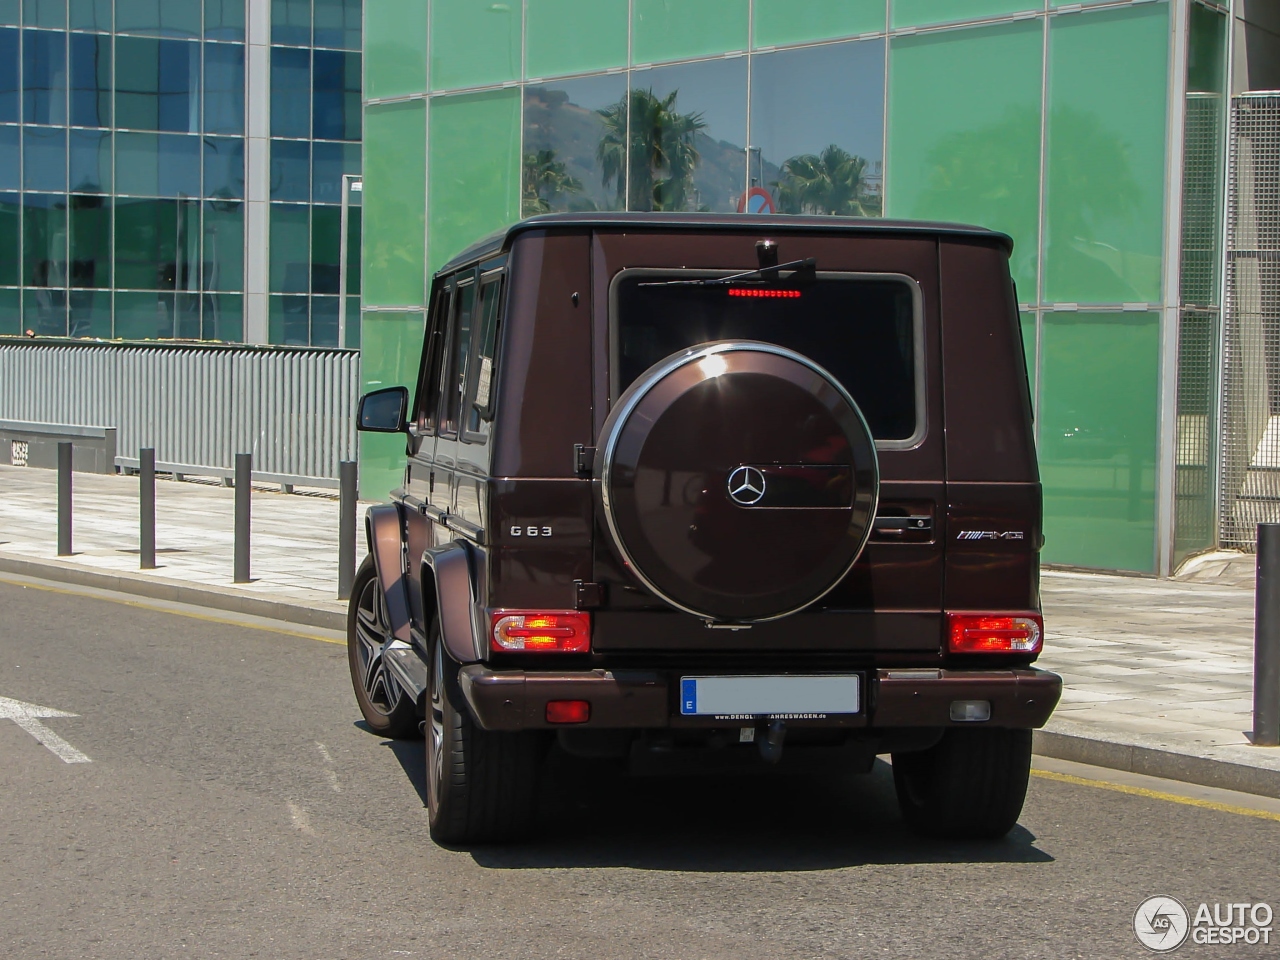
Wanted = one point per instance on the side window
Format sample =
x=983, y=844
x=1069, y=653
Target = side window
x=427, y=407
x=480, y=379
x=457, y=346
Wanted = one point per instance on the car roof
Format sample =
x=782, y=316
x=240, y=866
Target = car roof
x=749, y=223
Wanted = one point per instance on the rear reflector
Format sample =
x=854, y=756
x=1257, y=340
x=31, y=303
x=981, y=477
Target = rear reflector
x=994, y=633
x=568, y=711
x=764, y=293
x=541, y=631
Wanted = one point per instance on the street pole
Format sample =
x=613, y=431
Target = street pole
x=346, y=527
x=1266, y=639
x=244, y=491
x=351, y=183
x=147, y=508
x=64, y=499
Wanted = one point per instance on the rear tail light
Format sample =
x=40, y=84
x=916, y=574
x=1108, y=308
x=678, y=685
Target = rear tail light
x=995, y=633
x=568, y=711
x=540, y=631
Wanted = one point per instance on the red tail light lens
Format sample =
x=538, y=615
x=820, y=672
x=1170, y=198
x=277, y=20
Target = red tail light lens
x=995, y=633
x=540, y=631
x=764, y=293
x=568, y=711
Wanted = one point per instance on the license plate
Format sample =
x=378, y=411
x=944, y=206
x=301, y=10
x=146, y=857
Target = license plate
x=796, y=697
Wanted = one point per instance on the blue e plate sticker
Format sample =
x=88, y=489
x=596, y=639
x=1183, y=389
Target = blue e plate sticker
x=688, y=695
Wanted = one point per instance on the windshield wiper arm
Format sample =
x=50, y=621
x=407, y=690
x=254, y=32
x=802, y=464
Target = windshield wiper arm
x=808, y=266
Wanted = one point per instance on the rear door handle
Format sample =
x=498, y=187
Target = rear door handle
x=898, y=525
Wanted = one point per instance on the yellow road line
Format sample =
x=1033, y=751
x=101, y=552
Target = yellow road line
x=207, y=618
x=1158, y=795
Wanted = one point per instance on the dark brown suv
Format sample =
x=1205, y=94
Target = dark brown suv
x=749, y=491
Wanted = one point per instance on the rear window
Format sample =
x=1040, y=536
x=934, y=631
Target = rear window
x=862, y=330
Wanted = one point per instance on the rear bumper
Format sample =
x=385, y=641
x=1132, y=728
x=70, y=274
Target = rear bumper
x=517, y=699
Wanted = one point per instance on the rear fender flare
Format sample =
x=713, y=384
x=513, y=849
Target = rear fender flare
x=385, y=531
x=447, y=574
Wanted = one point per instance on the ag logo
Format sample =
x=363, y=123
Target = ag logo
x=1161, y=924
x=746, y=486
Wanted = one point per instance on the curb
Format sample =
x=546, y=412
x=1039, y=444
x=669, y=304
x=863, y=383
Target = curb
x=158, y=588
x=1165, y=764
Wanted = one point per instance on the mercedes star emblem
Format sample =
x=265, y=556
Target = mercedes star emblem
x=746, y=486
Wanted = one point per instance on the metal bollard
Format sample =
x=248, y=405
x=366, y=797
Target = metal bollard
x=244, y=491
x=1266, y=639
x=347, y=494
x=147, y=508
x=64, y=499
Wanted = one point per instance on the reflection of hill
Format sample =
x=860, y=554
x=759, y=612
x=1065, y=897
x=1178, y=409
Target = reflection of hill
x=721, y=173
x=551, y=122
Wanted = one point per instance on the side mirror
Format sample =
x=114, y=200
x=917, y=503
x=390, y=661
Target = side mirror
x=383, y=411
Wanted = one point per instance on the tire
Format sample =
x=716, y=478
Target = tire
x=386, y=708
x=481, y=785
x=970, y=785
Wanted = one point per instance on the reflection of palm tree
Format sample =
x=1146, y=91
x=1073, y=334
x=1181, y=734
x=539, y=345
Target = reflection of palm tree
x=544, y=180
x=833, y=182
x=661, y=141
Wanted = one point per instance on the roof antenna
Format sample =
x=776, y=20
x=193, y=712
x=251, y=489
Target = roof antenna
x=767, y=257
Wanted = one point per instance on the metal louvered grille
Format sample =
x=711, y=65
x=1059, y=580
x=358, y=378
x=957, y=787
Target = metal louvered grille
x=1250, y=452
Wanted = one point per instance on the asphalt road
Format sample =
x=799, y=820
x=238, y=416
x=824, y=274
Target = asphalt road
x=234, y=807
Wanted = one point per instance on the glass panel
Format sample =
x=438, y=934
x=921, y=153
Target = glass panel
x=395, y=32
x=290, y=170
x=287, y=321
x=222, y=317
x=454, y=379
x=331, y=161
x=290, y=251
x=290, y=92
x=336, y=96
x=10, y=313
x=157, y=84
x=395, y=196
x=44, y=312
x=324, y=321
x=337, y=24
x=1099, y=388
x=9, y=76
x=674, y=30
x=151, y=165
x=44, y=243
x=563, y=129
x=918, y=13
x=1203, y=130
x=353, y=263
x=480, y=377
x=91, y=15
x=90, y=313
x=964, y=134
x=224, y=19
x=10, y=238
x=223, y=88
x=10, y=151
x=688, y=137
x=91, y=161
x=785, y=21
x=186, y=324
x=390, y=348
x=90, y=80
x=474, y=43
x=574, y=36
x=224, y=167
x=44, y=13
x=223, y=256
x=144, y=316
x=819, y=148
x=168, y=18
x=44, y=71
x=1028, y=324
x=1105, y=177
x=291, y=22
x=156, y=244
x=91, y=241
x=474, y=171
x=10, y=12
x=44, y=158
x=326, y=236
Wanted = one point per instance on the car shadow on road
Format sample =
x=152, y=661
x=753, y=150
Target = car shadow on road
x=590, y=817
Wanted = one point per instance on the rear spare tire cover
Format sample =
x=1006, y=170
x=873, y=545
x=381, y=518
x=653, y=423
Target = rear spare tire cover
x=737, y=480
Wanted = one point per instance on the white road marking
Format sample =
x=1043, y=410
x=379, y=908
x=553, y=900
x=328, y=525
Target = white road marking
x=331, y=774
x=28, y=717
x=333, y=781
x=300, y=819
x=324, y=752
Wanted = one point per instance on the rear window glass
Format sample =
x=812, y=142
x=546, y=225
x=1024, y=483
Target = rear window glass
x=861, y=330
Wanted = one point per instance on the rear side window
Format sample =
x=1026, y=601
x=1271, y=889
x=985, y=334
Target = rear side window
x=480, y=371
x=863, y=330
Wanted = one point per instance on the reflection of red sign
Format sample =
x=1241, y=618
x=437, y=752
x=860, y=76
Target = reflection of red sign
x=757, y=200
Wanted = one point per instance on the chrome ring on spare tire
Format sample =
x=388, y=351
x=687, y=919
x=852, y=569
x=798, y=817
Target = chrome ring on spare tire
x=782, y=469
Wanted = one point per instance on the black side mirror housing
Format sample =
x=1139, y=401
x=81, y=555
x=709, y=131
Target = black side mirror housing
x=383, y=411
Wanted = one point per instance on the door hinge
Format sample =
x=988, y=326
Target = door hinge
x=584, y=458
x=587, y=596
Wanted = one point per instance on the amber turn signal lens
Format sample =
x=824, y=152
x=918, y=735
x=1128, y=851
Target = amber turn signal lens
x=568, y=711
x=995, y=633
x=540, y=631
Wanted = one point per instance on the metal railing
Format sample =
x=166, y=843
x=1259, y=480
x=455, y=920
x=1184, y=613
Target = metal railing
x=198, y=405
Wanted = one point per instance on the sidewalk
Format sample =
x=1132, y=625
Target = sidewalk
x=1158, y=673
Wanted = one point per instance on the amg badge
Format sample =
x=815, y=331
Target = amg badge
x=989, y=535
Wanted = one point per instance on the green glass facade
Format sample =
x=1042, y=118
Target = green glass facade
x=1060, y=124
